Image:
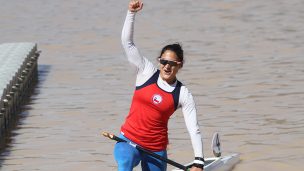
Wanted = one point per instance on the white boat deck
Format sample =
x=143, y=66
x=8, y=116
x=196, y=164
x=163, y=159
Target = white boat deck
x=225, y=163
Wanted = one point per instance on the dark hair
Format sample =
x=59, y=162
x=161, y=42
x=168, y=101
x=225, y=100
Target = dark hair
x=177, y=49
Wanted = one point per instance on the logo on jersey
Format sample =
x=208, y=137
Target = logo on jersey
x=157, y=99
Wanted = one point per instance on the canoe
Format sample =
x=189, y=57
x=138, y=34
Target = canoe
x=217, y=163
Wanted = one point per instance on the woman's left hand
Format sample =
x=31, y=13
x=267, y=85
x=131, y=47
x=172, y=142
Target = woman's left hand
x=195, y=169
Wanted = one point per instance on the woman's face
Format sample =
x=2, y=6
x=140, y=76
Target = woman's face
x=169, y=66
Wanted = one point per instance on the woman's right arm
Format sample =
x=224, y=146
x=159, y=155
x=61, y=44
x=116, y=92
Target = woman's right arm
x=131, y=51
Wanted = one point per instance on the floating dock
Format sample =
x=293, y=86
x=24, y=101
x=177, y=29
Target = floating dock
x=18, y=77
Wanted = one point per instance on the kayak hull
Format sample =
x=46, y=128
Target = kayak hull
x=224, y=163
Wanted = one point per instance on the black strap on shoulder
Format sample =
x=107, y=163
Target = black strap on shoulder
x=176, y=93
x=150, y=81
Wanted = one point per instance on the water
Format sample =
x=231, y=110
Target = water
x=244, y=66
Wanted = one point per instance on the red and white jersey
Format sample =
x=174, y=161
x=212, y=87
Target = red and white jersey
x=150, y=111
x=155, y=101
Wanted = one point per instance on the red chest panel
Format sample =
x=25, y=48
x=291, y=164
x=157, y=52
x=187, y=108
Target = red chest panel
x=154, y=102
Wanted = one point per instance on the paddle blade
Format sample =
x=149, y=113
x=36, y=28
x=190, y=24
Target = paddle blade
x=216, y=145
x=113, y=137
x=106, y=134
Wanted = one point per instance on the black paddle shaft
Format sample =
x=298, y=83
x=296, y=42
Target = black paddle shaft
x=173, y=163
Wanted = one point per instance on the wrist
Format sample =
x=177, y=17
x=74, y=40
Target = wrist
x=199, y=162
x=131, y=11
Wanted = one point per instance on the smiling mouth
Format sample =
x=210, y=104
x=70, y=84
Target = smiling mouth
x=167, y=72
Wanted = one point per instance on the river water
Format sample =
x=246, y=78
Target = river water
x=244, y=66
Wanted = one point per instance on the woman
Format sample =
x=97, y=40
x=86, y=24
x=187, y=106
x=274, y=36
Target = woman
x=158, y=94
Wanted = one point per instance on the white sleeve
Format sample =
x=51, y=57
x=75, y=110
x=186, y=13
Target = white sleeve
x=132, y=53
x=145, y=68
x=189, y=111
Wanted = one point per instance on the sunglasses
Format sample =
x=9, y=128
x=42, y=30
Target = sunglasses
x=171, y=63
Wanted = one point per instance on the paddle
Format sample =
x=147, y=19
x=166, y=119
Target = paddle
x=173, y=163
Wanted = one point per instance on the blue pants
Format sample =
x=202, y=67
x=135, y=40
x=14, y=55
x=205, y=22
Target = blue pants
x=128, y=157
